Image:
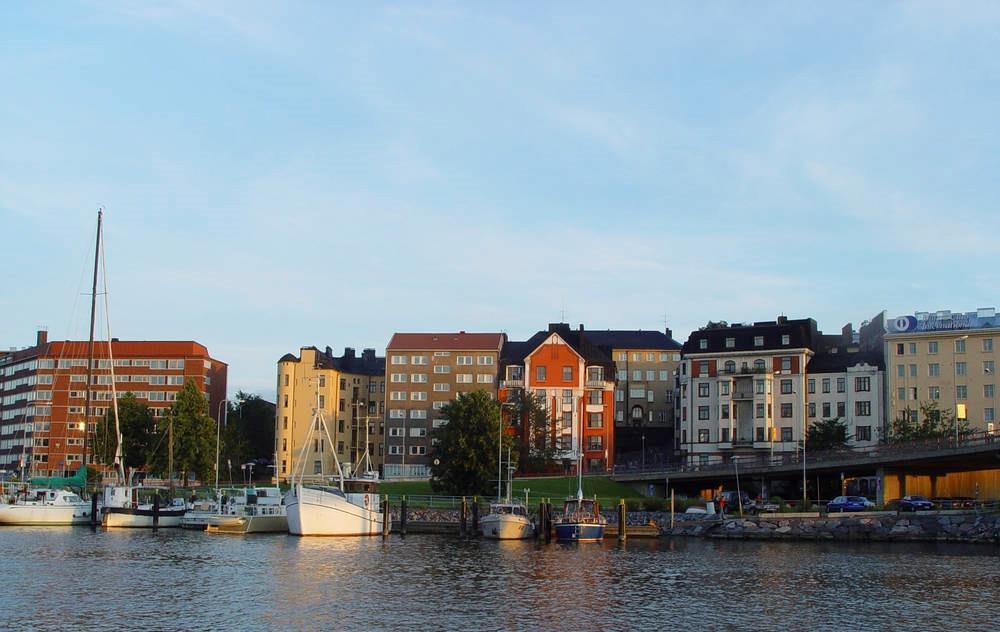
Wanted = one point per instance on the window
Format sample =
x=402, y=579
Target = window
x=932, y=346
x=418, y=432
x=637, y=412
x=759, y=433
x=786, y=387
x=595, y=420
x=863, y=433
x=934, y=369
x=443, y=368
x=703, y=343
x=703, y=435
x=961, y=392
x=899, y=348
x=913, y=370
x=540, y=373
x=730, y=343
x=442, y=388
x=650, y=376
x=961, y=368
x=485, y=360
x=464, y=360
x=463, y=378
x=664, y=376
x=397, y=396
x=786, y=364
x=567, y=396
x=758, y=387
x=863, y=409
x=913, y=348
x=567, y=420
x=418, y=414
x=812, y=409
x=703, y=414
x=395, y=432
x=934, y=392
x=622, y=356
x=901, y=370
x=395, y=450
x=619, y=396
x=703, y=389
x=826, y=410
x=285, y=401
x=567, y=373
x=841, y=384
x=758, y=365
x=397, y=413
x=841, y=409
x=901, y=394
x=724, y=411
x=649, y=395
x=636, y=375
x=811, y=385
x=960, y=346
x=418, y=396
x=322, y=401
x=418, y=450
x=397, y=377
x=987, y=345
x=989, y=415
x=989, y=391
x=650, y=356
x=397, y=359
x=340, y=407
x=418, y=359
x=595, y=443
x=758, y=341
x=419, y=378
x=785, y=339
x=703, y=369
x=786, y=411
x=826, y=385
x=284, y=423
x=759, y=411
x=723, y=388
x=989, y=367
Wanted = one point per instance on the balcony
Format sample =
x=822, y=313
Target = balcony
x=743, y=371
x=742, y=394
x=597, y=384
x=512, y=383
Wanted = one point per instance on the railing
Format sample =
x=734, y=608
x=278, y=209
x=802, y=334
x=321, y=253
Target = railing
x=602, y=383
x=765, y=459
x=742, y=395
x=742, y=371
x=512, y=383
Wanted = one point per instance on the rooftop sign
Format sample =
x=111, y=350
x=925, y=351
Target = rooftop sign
x=942, y=321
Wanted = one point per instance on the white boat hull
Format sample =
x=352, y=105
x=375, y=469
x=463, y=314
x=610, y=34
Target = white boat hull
x=42, y=515
x=140, y=518
x=317, y=512
x=248, y=524
x=507, y=527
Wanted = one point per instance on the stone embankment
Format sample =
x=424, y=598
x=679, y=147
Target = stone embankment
x=874, y=526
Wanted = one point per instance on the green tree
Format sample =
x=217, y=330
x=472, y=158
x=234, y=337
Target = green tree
x=827, y=434
x=929, y=423
x=254, y=417
x=539, y=452
x=464, y=458
x=138, y=429
x=193, y=433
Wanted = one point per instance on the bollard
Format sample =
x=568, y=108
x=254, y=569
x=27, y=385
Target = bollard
x=475, y=516
x=402, y=516
x=156, y=511
x=541, y=519
x=621, y=520
x=548, y=521
x=386, y=521
x=93, y=510
x=463, y=517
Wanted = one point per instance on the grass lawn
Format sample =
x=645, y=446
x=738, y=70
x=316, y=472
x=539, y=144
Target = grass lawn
x=556, y=489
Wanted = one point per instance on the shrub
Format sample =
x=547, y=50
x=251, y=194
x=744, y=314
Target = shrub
x=652, y=504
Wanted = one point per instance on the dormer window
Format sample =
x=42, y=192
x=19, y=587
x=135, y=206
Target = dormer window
x=703, y=343
x=730, y=343
x=758, y=341
x=785, y=339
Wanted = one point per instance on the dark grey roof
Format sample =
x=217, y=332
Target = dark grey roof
x=365, y=364
x=838, y=361
x=633, y=339
x=801, y=333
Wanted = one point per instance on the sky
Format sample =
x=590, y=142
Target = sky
x=279, y=175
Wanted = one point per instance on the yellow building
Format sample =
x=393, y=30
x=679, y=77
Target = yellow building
x=944, y=358
x=349, y=392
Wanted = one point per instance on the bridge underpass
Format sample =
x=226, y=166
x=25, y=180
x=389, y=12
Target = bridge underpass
x=969, y=467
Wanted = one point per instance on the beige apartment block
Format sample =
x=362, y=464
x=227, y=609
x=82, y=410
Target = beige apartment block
x=946, y=358
x=349, y=392
x=423, y=372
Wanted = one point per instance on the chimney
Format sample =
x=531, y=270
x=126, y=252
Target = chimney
x=368, y=355
x=42, y=338
x=669, y=332
x=560, y=327
x=329, y=351
x=782, y=320
x=348, y=352
x=581, y=326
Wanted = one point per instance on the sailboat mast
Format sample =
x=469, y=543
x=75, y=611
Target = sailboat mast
x=90, y=345
x=170, y=453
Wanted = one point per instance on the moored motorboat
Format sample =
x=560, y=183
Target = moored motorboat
x=45, y=507
x=125, y=507
x=197, y=515
x=581, y=521
x=255, y=510
x=507, y=521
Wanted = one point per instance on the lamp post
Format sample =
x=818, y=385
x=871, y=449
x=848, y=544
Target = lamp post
x=644, y=451
x=954, y=382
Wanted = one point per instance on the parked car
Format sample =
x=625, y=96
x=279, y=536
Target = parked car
x=915, y=503
x=957, y=502
x=847, y=503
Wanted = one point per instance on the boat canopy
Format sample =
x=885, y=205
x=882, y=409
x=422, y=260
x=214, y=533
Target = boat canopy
x=78, y=480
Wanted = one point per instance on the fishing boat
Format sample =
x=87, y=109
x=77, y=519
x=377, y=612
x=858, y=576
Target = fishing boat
x=508, y=519
x=332, y=505
x=47, y=503
x=581, y=519
x=252, y=510
x=137, y=507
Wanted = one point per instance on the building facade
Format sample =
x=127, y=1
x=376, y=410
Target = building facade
x=349, y=392
x=44, y=421
x=423, y=372
x=755, y=389
x=944, y=358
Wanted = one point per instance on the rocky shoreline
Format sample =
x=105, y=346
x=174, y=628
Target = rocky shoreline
x=874, y=526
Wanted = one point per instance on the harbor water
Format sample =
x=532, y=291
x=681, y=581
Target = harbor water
x=73, y=578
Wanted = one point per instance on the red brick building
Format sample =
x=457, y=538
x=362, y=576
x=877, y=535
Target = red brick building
x=43, y=393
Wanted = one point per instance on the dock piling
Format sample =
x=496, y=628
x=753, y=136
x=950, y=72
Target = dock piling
x=475, y=516
x=93, y=510
x=402, y=516
x=622, y=515
x=463, y=517
x=385, y=517
x=156, y=511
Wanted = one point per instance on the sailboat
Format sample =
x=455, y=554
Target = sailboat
x=508, y=519
x=48, y=503
x=333, y=506
x=581, y=519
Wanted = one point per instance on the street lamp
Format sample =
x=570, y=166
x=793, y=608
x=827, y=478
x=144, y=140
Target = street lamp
x=954, y=382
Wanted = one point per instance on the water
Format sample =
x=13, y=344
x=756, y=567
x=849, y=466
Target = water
x=72, y=578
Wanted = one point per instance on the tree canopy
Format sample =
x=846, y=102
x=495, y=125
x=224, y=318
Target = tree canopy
x=464, y=457
x=930, y=423
x=138, y=433
x=194, y=436
x=539, y=452
x=827, y=434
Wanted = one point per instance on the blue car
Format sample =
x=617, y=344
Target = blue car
x=847, y=503
x=915, y=503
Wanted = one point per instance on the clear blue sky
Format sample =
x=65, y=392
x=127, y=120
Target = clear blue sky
x=282, y=174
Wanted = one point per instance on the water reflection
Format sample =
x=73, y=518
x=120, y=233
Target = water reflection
x=173, y=579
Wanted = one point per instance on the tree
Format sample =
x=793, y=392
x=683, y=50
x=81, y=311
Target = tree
x=464, y=458
x=930, y=423
x=540, y=450
x=138, y=433
x=827, y=434
x=194, y=435
x=254, y=418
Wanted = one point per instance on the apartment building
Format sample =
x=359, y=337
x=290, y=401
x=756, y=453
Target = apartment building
x=756, y=388
x=947, y=358
x=44, y=421
x=575, y=378
x=349, y=392
x=423, y=372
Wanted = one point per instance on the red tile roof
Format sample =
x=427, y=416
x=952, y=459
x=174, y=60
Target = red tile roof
x=452, y=341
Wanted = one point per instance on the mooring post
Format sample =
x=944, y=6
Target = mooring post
x=463, y=516
x=385, y=517
x=671, y=508
x=541, y=519
x=621, y=520
x=548, y=521
x=93, y=510
x=156, y=510
x=475, y=516
x=402, y=516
